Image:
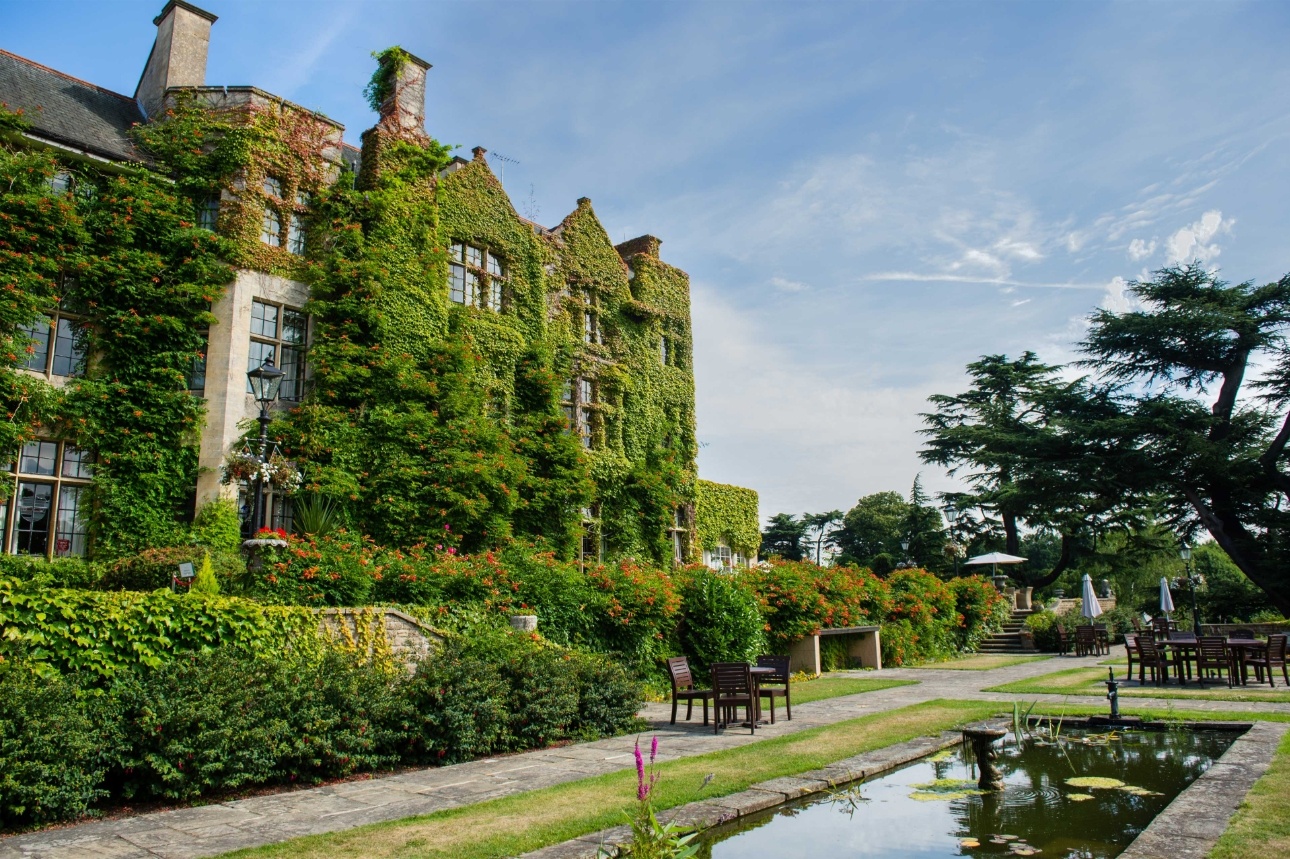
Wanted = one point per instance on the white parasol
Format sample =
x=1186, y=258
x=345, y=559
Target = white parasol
x=1166, y=598
x=1092, y=606
x=993, y=559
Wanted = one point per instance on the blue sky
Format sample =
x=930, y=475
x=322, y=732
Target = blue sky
x=866, y=195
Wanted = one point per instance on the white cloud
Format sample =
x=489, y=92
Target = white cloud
x=1140, y=250
x=1195, y=242
x=783, y=284
x=1020, y=302
x=1116, y=299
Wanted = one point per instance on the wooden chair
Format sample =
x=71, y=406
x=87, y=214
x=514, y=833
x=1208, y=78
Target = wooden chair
x=732, y=688
x=1086, y=641
x=1063, y=640
x=1103, y=636
x=779, y=681
x=1131, y=648
x=1151, y=657
x=1272, y=658
x=1212, y=658
x=1137, y=624
x=683, y=689
x=1161, y=627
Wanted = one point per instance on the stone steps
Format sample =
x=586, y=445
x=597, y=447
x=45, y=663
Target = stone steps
x=1008, y=638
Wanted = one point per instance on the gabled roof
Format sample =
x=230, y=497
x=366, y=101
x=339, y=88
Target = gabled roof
x=70, y=111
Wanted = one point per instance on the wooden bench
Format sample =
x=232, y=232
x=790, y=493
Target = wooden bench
x=866, y=648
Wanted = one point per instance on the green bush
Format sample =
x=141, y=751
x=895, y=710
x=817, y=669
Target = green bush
x=336, y=569
x=218, y=526
x=1043, y=626
x=981, y=608
x=58, y=573
x=156, y=568
x=51, y=756
x=722, y=621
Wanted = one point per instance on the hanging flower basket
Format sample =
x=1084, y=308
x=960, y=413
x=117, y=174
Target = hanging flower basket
x=278, y=472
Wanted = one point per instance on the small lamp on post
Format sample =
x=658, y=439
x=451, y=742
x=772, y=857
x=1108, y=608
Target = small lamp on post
x=1184, y=552
x=265, y=381
x=905, y=563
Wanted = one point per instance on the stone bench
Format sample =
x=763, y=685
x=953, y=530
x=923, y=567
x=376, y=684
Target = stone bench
x=865, y=647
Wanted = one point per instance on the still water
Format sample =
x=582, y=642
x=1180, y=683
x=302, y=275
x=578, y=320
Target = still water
x=930, y=810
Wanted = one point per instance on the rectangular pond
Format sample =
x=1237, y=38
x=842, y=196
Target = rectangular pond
x=1084, y=795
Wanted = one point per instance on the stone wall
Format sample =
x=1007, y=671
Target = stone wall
x=407, y=636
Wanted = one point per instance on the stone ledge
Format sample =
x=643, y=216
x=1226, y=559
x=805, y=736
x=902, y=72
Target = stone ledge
x=708, y=813
x=1191, y=825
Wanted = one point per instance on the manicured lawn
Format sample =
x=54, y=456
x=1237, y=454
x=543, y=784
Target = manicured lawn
x=983, y=662
x=518, y=824
x=1088, y=681
x=833, y=687
x=1261, y=827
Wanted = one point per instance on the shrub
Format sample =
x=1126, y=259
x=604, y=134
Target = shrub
x=640, y=615
x=51, y=755
x=922, y=622
x=205, y=582
x=218, y=526
x=456, y=706
x=608, y=697
x=722, y=620
x=58, y=573
x=800, y=598
x=982, y=610
x=336, y=569
x=1043, y=626
x=156, y=568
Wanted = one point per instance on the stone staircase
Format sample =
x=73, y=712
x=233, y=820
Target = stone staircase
x=1008, y=639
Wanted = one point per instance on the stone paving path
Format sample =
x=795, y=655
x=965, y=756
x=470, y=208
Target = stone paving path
x=217, y=828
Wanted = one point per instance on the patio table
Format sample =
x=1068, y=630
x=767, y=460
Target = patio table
x=1185, y=653
x=759, y=672
x=1237, y=649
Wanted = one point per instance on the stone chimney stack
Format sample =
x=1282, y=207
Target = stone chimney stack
x=403, y=112
x=178, y=57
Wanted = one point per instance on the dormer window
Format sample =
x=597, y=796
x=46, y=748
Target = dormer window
x=476, y=277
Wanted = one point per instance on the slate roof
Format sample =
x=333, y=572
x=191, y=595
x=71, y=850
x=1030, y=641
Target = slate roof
x=70, y=111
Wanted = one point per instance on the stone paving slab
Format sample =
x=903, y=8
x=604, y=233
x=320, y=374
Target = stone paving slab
x=209, y=830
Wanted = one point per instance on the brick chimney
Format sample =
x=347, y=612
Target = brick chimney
x=178, y=57
x=404, y=112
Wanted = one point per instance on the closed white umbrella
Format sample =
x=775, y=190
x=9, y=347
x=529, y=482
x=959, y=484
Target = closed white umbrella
x=1166, y=598
x=1092, y=606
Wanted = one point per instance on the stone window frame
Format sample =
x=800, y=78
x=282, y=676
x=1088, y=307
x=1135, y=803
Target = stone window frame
x=70, y=475
x=592, y=324
x=593, y=535
x=63, y=328
x=208, y=213
x=477, y=276
x=277, y=344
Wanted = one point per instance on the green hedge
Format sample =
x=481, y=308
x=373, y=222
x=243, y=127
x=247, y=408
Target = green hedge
x=215, y=721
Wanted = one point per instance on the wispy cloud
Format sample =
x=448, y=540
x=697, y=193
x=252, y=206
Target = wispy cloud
x=1196, y=241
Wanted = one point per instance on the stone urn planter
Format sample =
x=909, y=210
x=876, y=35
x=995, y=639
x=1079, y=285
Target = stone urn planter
x=1024, y=597
x=524, y=622
x=257, y=548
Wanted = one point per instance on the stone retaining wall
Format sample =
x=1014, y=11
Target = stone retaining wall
x=407, y=636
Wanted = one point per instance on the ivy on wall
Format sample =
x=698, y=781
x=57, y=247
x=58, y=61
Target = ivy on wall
x=727, y=514
x=121, y=251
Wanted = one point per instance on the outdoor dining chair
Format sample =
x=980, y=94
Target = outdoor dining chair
x=1086, y=641
x=1152, y=658
x=1271, y=658
x=1063, y=640
x=778, y=684
x=683, y=689
x=1131, y=648
x=732, y=688
x=1212, y=658
x=1162, y=626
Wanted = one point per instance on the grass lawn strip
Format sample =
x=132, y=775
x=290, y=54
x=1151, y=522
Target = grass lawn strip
x=983, y=662
x=524, y=822
x=1261, y=827
x=1088, y=681
x=834, y=687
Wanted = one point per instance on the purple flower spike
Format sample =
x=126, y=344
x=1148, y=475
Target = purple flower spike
x=653, y=750
x=642, y=790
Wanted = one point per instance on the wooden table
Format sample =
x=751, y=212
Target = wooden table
x=1237, y=648
x=759, y=672
x=1185, y=652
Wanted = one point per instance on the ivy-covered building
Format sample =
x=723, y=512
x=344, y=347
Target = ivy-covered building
x=456, y=374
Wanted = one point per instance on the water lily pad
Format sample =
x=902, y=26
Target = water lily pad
x=1079, y=797
x=1134, y=790
x=941, y=756
x=939, y=796
x=1095, y=782
x=969, y=842
x=945, y=784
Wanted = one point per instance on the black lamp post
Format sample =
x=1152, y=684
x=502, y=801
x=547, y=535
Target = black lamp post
x=1185, y=554
x=905, y=563
x=265, y=381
